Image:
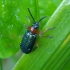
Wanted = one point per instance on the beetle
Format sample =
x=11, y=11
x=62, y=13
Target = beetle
x=30, y=36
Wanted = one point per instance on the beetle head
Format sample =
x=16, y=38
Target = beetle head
x=35, y=25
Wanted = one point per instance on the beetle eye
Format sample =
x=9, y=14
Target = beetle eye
x=36, y=26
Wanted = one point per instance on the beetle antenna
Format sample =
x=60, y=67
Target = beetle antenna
x=42, y=18
x=31, y=15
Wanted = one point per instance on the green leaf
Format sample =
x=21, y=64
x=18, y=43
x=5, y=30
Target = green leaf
x=9, y=29
x=13, y=18
x=52, y=54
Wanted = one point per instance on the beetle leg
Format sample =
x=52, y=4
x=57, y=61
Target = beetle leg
x=28, y=19
x=48, y=29
x=26, y=26
x=21, y=36
x=40, y=33
x=36, y=44
x=47, y=36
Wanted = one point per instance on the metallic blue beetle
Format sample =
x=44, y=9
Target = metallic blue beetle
x=30, y=36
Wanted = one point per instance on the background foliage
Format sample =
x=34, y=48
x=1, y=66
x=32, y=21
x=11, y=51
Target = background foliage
x=52, y=53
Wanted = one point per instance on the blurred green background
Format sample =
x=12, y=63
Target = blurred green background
x=54, y=53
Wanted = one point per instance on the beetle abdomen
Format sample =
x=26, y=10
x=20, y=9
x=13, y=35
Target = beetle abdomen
x=28, y=42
